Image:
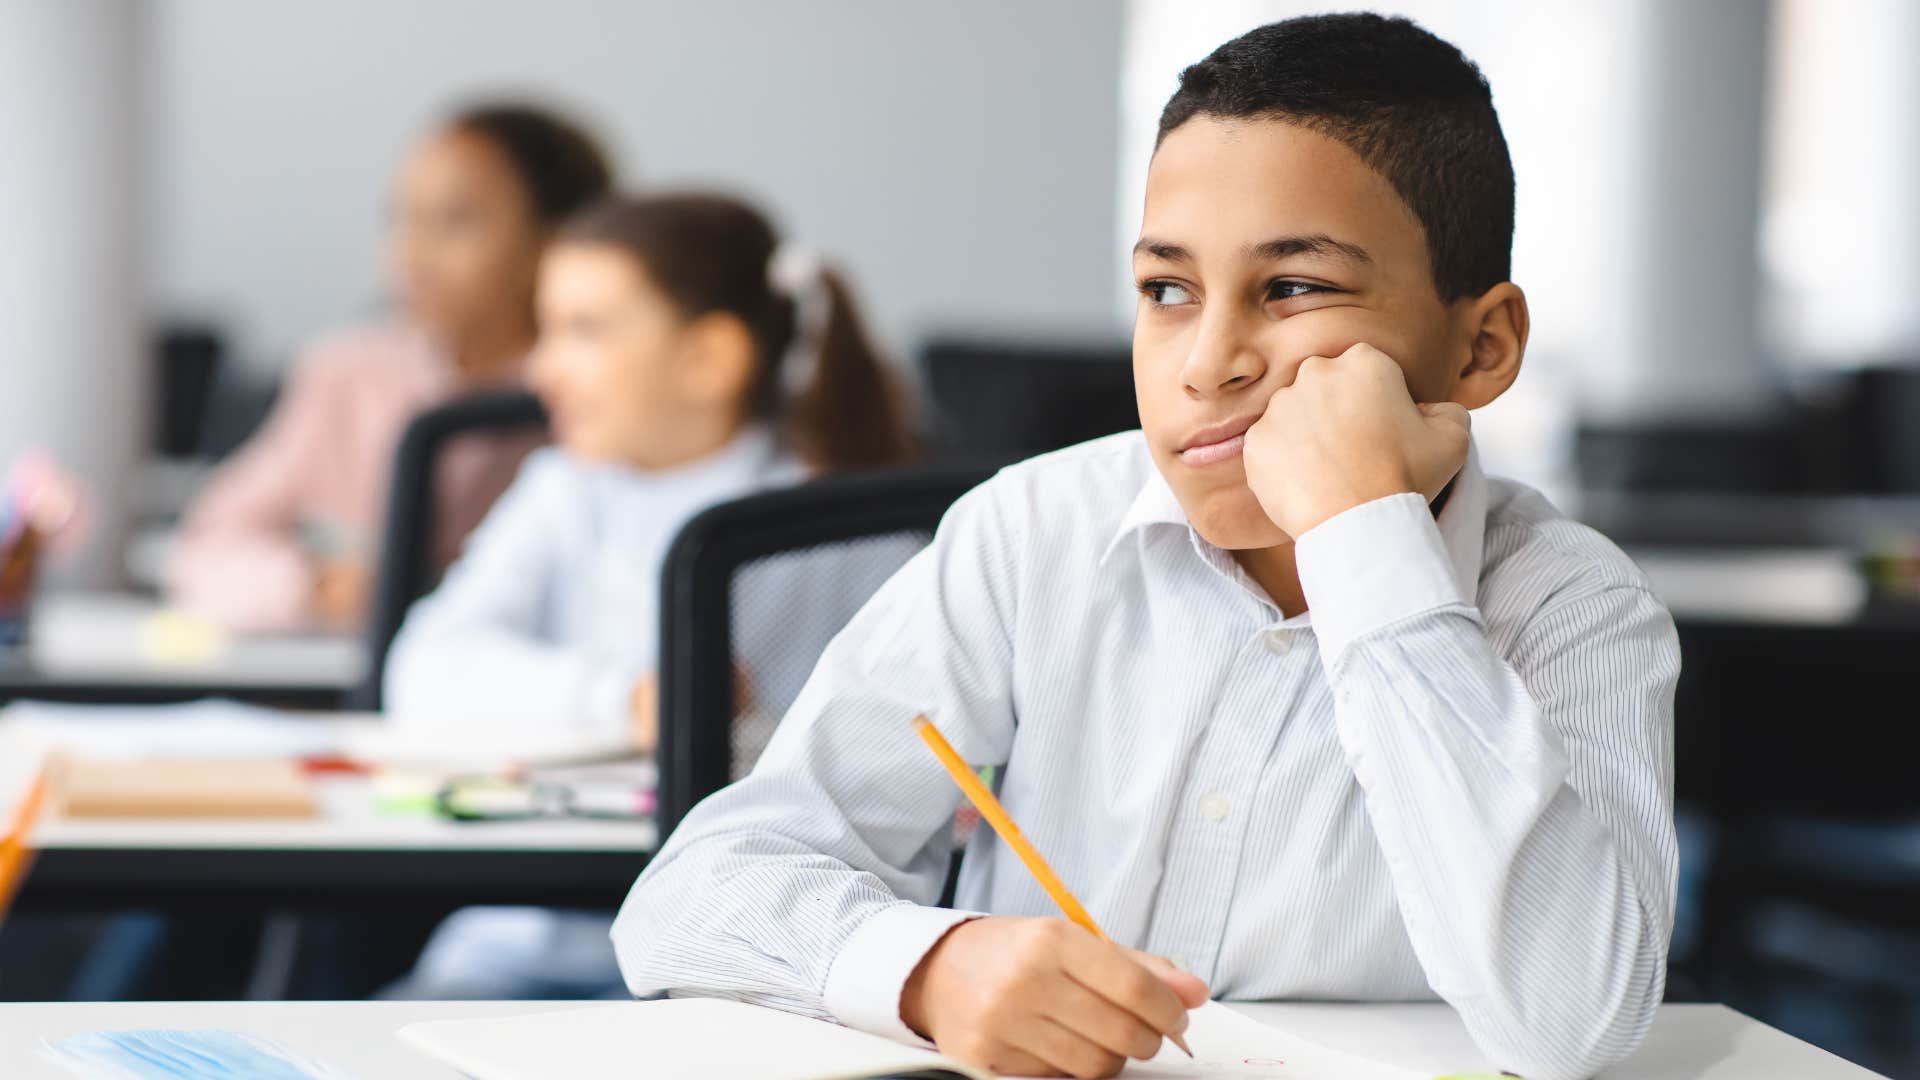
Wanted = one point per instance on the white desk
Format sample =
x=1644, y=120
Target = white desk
x=1709, y=1042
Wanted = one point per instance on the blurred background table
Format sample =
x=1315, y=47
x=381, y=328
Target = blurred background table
x=122, y=648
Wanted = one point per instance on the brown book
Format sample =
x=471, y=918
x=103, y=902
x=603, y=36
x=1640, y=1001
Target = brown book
x=90, y=788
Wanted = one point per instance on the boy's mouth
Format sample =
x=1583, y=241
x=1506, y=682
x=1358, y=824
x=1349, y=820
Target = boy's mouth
x=1217, y=442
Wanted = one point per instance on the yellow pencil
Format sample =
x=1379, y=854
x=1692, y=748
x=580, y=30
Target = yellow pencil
x=996, y=815
x=16, y=846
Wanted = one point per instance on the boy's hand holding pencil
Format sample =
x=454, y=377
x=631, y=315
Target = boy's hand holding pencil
x=1041, y=996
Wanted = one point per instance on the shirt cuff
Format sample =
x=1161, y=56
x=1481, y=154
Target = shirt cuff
x=872, y=968
x=1372, y=566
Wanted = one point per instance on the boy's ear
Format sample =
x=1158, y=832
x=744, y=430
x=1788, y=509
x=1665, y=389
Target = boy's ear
x=1495, y=324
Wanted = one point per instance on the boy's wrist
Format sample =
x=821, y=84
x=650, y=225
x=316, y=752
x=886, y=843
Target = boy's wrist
x=867, y=983
x=1373, y=565
x=914, y=1011
x=1301, y=515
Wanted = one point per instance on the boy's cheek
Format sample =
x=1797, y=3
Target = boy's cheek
x=1333, y=330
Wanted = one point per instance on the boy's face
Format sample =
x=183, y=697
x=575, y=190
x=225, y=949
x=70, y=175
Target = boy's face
x=1264, y=243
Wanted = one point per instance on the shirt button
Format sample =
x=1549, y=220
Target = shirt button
x=1213, y=806
x=1279, y=642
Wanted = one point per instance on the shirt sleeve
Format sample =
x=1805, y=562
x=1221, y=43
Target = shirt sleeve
x=237, y=559
x=475, y=660
x=1523, y=804
x=807, y=884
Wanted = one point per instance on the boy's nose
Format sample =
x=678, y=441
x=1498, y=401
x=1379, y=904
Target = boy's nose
x=1222, y=360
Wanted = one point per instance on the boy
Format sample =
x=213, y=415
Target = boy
x=1284, y=686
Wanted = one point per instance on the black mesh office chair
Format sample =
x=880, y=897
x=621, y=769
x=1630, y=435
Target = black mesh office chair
x=752, y=591
x=406, y=570
x=1002, y=402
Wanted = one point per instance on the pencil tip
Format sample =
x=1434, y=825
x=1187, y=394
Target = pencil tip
x=1182, y=1044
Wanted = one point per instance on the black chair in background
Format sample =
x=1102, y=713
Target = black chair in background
x=1004, y=402
x=238, y=403
x=406, y=570
x=751, y=593
x=189, y=359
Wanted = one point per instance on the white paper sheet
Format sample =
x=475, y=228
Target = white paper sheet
x=1227, y=1044
x=714, y=1040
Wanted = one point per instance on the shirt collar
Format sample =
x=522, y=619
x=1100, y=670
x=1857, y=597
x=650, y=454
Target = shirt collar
x=1462, y=521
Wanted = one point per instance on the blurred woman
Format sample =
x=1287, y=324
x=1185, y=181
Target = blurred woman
x=283, y=534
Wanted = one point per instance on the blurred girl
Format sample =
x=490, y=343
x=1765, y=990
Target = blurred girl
x=684, y=361
x=283, y=534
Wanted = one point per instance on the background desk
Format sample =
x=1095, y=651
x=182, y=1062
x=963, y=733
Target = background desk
x=1708, y=1042
x=345, y=862
x=350, y=857
x=96, y=648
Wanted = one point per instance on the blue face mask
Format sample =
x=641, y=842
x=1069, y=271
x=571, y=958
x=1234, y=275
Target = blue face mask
x=183, y=1055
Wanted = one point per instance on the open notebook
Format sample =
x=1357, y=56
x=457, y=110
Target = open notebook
x=723, y=1040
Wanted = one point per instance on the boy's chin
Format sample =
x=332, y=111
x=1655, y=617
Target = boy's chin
x=1233, y=521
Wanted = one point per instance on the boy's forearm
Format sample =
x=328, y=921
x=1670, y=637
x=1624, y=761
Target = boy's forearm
x=1525, y=908
x=761, y=895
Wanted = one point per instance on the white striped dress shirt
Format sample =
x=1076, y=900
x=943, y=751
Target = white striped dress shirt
x=1452, y=777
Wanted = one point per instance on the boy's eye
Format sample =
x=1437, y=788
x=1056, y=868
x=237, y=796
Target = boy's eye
x=1292, y=290
x=1166, y=293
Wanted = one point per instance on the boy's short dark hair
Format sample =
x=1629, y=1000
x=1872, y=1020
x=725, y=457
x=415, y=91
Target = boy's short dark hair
x=1415, y=110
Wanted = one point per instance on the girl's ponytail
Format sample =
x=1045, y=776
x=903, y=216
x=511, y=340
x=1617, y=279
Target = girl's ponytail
x=845, y=409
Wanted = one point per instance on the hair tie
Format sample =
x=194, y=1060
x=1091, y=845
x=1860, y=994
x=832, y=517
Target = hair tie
x=797, y=274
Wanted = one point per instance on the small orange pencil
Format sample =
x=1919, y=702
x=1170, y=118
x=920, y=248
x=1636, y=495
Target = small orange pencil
x=16, y=846
x=996, y=815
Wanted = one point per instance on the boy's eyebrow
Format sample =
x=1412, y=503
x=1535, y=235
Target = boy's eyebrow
x=1278, y=248
x=1318, y=244
x=1162, y=249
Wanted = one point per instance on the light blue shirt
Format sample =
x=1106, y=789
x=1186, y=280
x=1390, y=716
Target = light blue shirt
x=540, y=630
x=1453, y=777
x=532, y=646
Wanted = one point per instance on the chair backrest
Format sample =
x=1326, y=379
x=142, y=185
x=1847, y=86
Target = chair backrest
x=406, y=569
x=1005, y=402
x=751, y=593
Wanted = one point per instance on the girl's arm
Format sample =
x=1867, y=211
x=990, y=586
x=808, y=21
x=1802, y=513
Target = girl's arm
x=476, y=662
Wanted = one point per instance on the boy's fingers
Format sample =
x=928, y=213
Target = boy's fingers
x=1063, y=1049
x=1108, y=1025
x=1451, y=411
x=1110, y=972
x=1017, y=1062
x=1188, y=987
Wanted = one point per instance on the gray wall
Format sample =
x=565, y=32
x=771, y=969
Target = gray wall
x=960, y=159
x=69, y=381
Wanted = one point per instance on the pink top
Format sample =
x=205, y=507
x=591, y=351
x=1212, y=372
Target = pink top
x=313, y=482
